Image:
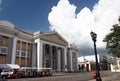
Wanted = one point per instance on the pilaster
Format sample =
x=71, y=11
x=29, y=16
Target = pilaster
x=20, y=52
x=34, y=55
x=40, y=54
x=14, y=50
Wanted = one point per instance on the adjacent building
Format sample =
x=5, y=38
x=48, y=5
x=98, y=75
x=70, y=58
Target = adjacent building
x=39, y=49
x=88, y=63
x=115, y=66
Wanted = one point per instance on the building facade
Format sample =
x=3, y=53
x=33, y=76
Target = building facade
x=88, y=63
x=39, y=49
x=115, y=65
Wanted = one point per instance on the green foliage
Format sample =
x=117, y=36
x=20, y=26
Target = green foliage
x=113, y=41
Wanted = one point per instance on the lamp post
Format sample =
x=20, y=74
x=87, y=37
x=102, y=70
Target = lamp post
x=94, y=36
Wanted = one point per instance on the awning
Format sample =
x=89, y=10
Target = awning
x=9, y=66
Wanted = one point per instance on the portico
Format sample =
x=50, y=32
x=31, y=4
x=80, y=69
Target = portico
x=51, y=54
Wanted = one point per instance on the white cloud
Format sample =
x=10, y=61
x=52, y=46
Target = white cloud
x=76, y=28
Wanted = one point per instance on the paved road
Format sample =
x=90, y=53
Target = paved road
x=83, y=76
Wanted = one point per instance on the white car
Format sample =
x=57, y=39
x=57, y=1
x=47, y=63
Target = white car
x=6, y=73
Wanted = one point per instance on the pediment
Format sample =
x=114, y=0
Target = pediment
x=54, y=37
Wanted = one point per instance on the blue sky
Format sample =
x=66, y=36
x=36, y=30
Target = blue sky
x=73, y=19
x=32, y=15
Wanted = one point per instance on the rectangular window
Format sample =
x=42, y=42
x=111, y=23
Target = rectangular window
x=23, y=54
x=22, y=62
x=28, y=62
x=29, y=47
x=2, y=59
x=18, y=52
x=28, y=54
x=4, y=50
x=23, y=46
x=18, y=45
x=4, y=41
x=17, y=60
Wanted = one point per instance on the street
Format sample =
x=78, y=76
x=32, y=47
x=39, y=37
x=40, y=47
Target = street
x=82, y=76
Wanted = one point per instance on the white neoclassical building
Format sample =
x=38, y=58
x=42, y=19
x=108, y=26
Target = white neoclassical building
x=39, y=49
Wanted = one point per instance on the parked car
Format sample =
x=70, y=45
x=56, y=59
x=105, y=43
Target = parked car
x=6, y=73
x=9, y=70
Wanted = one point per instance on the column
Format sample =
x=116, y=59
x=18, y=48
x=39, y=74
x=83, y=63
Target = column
x=62, y=60
x=44, y=65
x=41, y=55
x=59, y=60
x=77, y=58
x=89, y=66
x=65, y=58
x=50, y=56
x=71, y=65
x=68, y=59
x=30, y=61
x=56, y=58
x=14, y=50
x=38, y=53
x=26, y=55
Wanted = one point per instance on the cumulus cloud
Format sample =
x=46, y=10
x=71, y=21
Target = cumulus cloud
x=76, y=28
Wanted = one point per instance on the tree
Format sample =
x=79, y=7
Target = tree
x=113, y=41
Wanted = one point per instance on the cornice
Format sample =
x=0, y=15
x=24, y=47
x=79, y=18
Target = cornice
x=53, y=40
x=16, y=32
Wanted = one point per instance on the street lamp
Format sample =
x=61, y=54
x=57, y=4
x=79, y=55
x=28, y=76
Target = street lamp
x=94, y=36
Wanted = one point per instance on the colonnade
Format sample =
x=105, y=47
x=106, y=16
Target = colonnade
x=50, y=55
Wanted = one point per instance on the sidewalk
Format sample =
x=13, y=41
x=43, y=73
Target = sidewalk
x=115, y=77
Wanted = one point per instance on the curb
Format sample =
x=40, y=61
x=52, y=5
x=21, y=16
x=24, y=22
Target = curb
x=110, y=78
